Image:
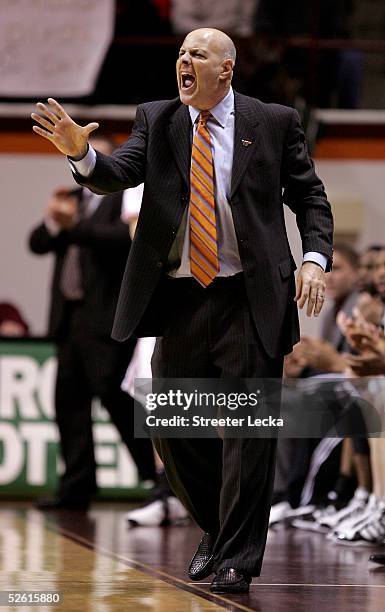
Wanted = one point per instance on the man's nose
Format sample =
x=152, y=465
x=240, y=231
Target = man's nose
x=185, y=58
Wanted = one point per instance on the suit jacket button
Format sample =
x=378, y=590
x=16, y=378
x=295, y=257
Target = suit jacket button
x=159, y=264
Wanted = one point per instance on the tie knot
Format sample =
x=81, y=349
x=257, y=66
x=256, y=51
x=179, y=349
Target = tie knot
x=204, y=117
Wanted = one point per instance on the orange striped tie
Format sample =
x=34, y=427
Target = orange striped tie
x=204, y=263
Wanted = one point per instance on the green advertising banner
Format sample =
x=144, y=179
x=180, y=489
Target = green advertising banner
x=29, y=452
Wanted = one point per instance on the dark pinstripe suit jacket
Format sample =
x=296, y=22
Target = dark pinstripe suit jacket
x=273, y=170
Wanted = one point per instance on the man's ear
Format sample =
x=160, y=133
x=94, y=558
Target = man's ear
x=226, y=69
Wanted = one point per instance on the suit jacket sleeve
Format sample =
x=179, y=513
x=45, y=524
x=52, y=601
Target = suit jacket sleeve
x=125, y=167
x=304, y=193
x=99, y=236
x=42, y=242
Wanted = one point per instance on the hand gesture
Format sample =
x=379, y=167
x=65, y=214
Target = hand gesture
x=362, y=336
x=67, y=136
x=311, y=288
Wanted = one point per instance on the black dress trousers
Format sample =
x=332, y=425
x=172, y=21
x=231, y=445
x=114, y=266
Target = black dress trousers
x=226, y=485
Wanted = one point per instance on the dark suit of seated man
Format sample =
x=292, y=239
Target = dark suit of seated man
x=211, y=234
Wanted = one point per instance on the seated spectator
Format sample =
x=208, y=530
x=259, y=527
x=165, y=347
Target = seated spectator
x=368, y=341
x=362, y=521
x=366, y=266
x=327, y=354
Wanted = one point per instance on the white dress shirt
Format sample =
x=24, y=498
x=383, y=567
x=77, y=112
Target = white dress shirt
x=221, y=127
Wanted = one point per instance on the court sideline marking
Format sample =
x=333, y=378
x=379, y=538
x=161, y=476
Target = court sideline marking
x=155, y=573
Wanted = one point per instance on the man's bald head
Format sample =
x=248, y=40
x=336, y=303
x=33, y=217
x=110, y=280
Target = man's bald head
x=220, y=40
x=205, y=67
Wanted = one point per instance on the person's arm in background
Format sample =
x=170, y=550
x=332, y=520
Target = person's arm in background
x=62, y=227
x=50, y=236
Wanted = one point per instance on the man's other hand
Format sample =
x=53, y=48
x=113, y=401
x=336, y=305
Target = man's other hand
x=311, y=288
x=58, y=127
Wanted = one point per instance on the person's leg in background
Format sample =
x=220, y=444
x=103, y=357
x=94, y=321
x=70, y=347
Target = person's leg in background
x=377, y=448
x=73, y=398
x=106, y=363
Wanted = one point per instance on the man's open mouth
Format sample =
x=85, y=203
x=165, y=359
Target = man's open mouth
x=187, y=81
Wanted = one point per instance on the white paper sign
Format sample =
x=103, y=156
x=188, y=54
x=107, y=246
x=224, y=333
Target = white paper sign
x=53, y=47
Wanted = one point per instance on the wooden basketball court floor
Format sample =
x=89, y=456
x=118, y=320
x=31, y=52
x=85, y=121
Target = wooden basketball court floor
x=100, y=565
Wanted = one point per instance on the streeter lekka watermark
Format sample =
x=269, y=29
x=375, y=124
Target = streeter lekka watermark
x=186, y=401
x=317, y=407
x=205, y=407
x=200, y=421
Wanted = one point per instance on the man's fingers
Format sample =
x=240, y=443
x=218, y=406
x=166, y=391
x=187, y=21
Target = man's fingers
x=304, y=294
x=42, y=121
x=299, y=288
x=319, y=303
x=42, y=132
x=49, y=114
x=59, y=110
x=91, y=127
x=311, y=300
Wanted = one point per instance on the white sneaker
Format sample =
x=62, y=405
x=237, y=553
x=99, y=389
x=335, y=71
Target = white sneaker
x=350, y=525
x=374, y=531
x=354, y=507
x=350, y=531
x=322, y=515
x=177, y=513
x=158, y=513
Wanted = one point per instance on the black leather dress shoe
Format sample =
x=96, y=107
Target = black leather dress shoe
x=378, y=558
x=201, y=565
x=57, y=503
x=229, y=580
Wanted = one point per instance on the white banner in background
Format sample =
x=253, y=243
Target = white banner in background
x=53, y=47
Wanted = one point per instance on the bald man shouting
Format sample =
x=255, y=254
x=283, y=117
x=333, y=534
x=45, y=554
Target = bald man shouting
x=210, y=272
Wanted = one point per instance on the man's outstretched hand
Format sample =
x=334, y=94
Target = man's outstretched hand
x=311, y=288
x=58, y=127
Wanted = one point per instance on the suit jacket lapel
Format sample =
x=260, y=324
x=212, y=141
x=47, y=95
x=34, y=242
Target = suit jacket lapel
x=245, y=129
x=246, y=138
x=179, y=135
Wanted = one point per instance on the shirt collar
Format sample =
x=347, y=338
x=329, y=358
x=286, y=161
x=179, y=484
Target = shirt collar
x=220, y=112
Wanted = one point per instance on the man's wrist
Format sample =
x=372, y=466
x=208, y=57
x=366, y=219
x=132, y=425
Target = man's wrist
x=316, y=263
x=86, y=165
x=316, y=258
x=79, y=157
